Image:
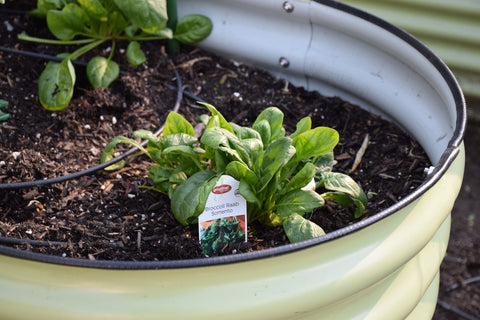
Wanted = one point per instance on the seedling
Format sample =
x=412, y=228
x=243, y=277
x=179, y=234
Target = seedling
x=273, y=168
x=3, y=116
x=90, y=23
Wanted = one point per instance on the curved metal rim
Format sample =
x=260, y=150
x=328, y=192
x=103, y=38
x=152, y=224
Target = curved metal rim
x=445, y=161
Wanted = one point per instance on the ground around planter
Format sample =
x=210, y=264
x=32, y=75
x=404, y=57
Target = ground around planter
x=460, y=271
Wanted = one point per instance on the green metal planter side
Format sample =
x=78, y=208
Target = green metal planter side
x=451, y=29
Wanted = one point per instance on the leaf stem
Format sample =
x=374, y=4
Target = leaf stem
x=26, y=37
x=110, y=56
x=79, y=52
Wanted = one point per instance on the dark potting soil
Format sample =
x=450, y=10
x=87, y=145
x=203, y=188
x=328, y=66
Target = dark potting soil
x=106, y=215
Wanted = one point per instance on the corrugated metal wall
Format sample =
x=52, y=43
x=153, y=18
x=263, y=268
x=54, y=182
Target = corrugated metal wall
x=450, y=28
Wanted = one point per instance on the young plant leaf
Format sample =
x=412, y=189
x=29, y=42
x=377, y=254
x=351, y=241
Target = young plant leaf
x=222, y=123
x=175, y=123
x=264, y=130
x=101, y=72
x=301, y=179
x=303, y=125
x=55, y=85
x=66, y=24
x=150, y=16
x=345, y=191
x=135, y=55
x=94, y=8
x=336, y=181
x=275, y=156
x=315, y=142
x=299, y=229
x=240, y=171
x=193, y=28
x=274, y=117
x=190, y=197
x=297, y=201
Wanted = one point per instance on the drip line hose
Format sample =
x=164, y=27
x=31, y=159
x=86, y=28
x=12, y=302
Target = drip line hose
x=37, y=243
x=83, y=64
x=131, y=151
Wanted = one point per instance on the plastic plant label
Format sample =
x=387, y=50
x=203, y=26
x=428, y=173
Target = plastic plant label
x=310, y=185
x=224, y=219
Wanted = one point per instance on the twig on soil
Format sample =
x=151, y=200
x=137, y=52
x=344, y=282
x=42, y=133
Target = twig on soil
x=360, y=153
x=462, y=283
x=458, y=312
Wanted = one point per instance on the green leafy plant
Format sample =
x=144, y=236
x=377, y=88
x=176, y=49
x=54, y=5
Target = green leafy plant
x=272, y=167
x=90, y=23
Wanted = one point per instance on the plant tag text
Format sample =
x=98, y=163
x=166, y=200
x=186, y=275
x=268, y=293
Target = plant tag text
x=224, y=219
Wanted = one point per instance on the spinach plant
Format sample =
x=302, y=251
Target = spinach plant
x=273, y=168
x=90, y=23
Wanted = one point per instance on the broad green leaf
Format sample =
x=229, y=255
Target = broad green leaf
x=64, y=25
x=176, y=139
x=299, y=229
x=189, y=198
x=247, y=133
x=254, y=147
x=193, y=28
x=145, y=135
x=345, y=191
x=175, y=123
x=55, y=85
x=303, y=125
x=101, y=72
x=315, y=142
x=324, y=163
x=135, y=55
x=250, y=196
x=336, y=181
x=301, y=179
x=175, y=153
x=240, y=171
x=274, y=158
x=274, y=116
x=346, y=201
x=108, y=152
x=221, y=139
x=297, y=201
x=110, y=147
x=222, y=122
x=148, y=15
x=116, y=23
x=94, y=8
x=43, y=6
x=264, y=130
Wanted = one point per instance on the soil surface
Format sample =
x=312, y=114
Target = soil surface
x=108, y=216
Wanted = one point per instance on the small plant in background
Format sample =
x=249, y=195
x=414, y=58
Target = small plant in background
x=273, y=168
x=90, y=23
x=3, y=115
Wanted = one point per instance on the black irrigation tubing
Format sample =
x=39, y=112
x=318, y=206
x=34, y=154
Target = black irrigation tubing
x=13, y=11
x=457, y=311
x=83, y=64
x=37, y=243
x=91, y=170
x=462, y=283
